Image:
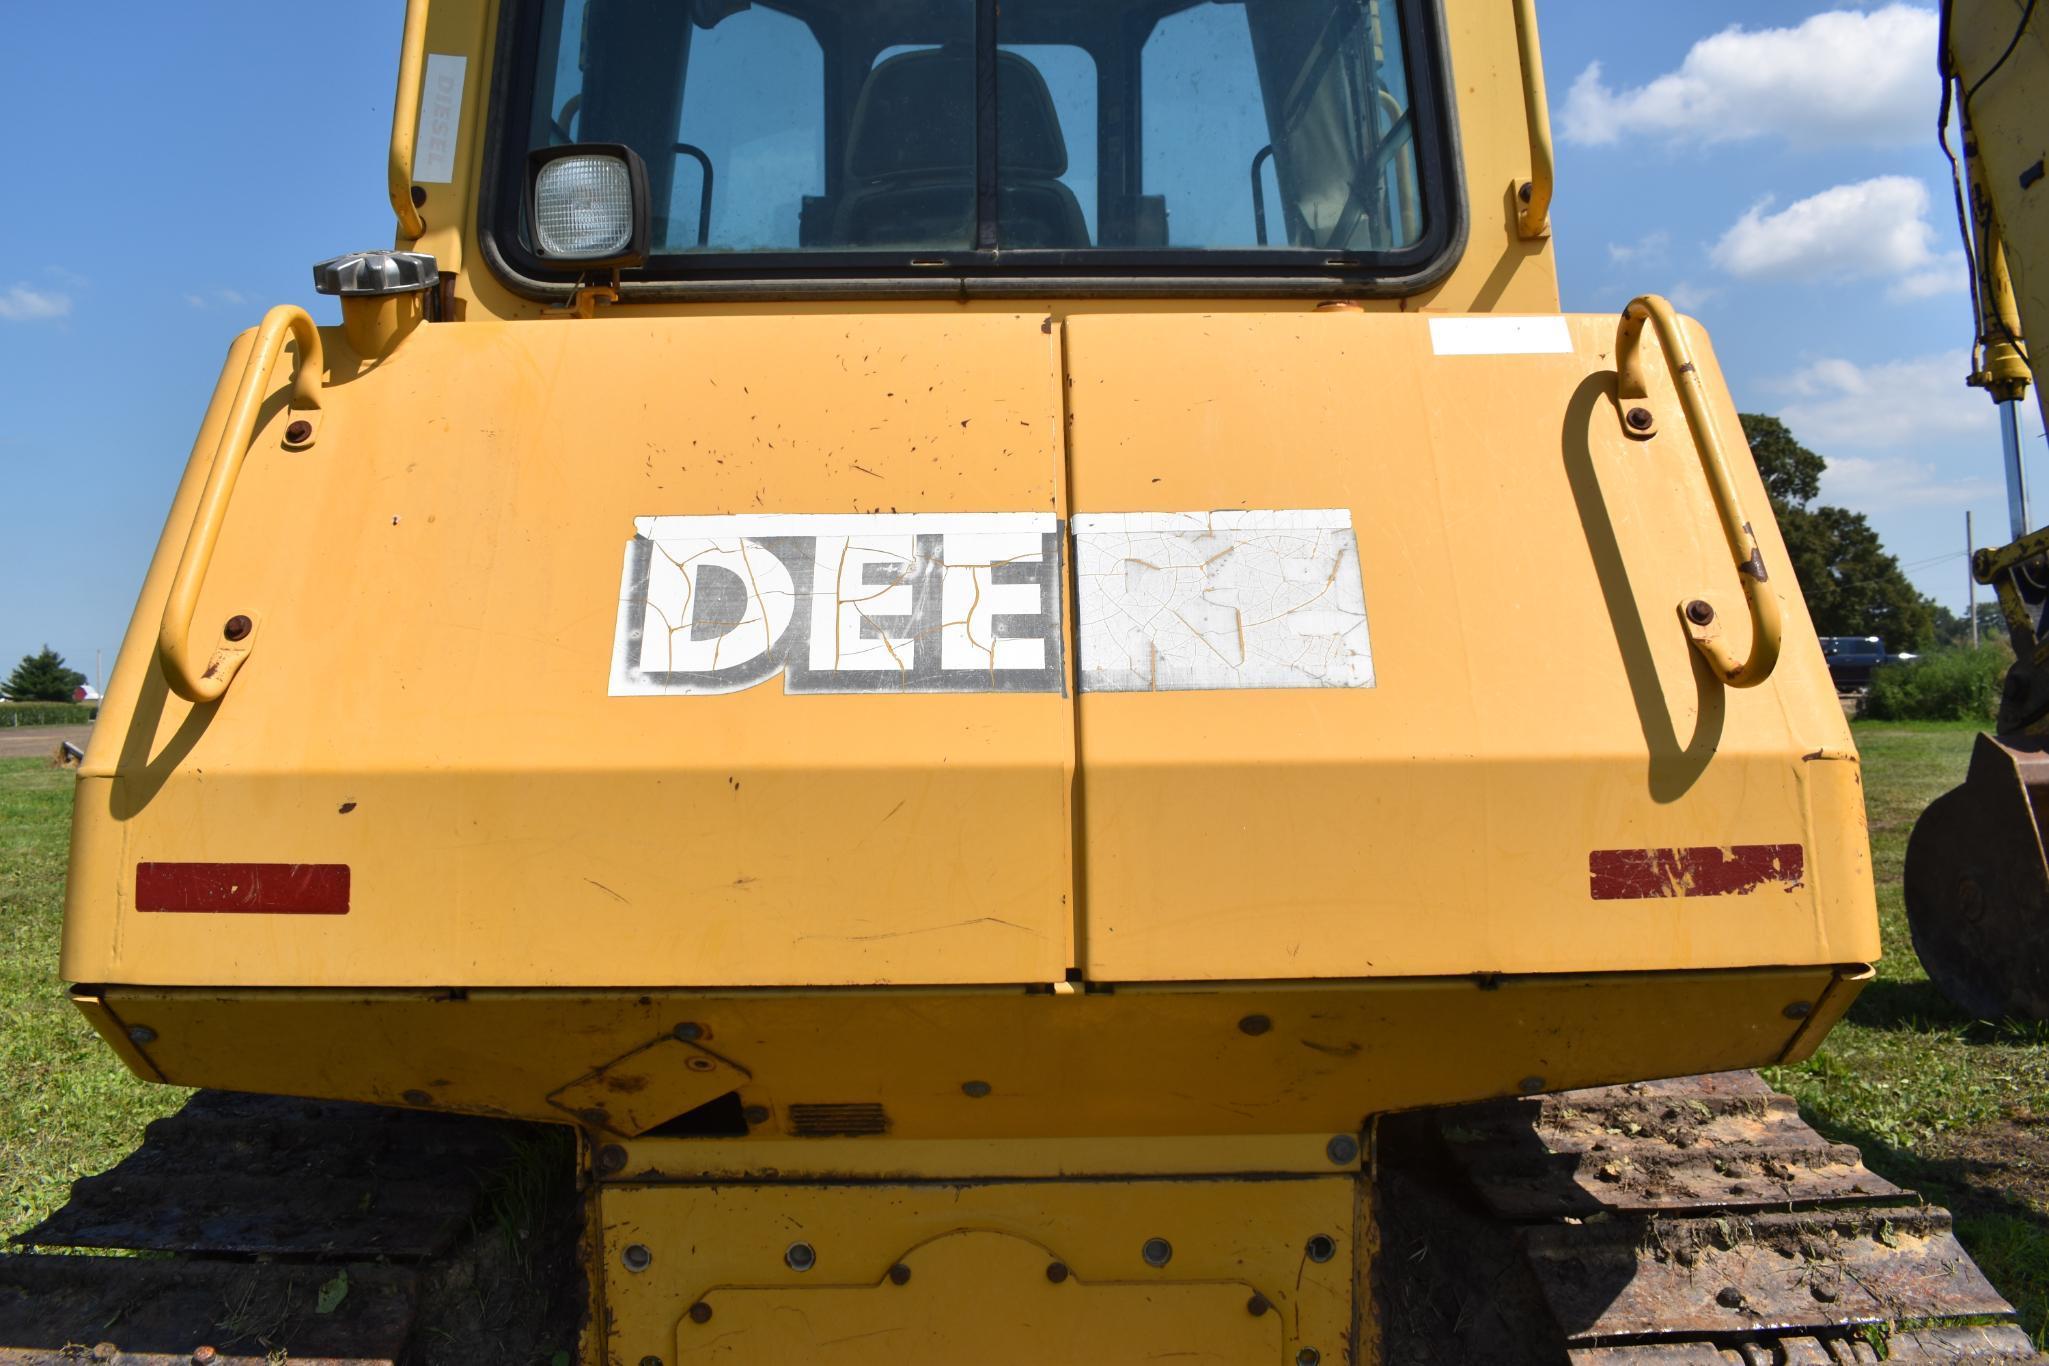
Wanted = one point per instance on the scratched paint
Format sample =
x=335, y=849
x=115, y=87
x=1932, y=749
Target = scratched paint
x=1706, y=870
x=1183, y=601
x=913, y=602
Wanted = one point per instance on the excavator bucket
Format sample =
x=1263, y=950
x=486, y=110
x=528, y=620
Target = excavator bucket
x=1977, y=883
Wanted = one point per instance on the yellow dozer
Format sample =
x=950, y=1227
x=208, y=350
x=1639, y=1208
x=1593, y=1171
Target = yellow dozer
x=1013, y=659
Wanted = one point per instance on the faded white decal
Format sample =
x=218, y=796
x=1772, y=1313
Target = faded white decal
x=1174, y=601
x=440, y=119
x=1542, y=336
x=913, y=602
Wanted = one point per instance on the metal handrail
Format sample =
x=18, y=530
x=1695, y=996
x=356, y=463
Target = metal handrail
x=405, y=122
x=174, y=638
x=1639, y=423
x=1533, y=217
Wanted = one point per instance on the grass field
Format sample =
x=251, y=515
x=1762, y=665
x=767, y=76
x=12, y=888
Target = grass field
x=1958, y=1110
x=67, y=1108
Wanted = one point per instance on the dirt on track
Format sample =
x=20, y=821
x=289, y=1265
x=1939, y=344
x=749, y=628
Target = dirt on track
x=22, y=741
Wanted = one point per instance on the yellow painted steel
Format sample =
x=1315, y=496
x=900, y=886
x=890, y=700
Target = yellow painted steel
x=495, y=805
x=977, y=1258
x=181, y=671
x=405, y=122
x=1240, y=1058
x=1641, y=423
x=1533, y=218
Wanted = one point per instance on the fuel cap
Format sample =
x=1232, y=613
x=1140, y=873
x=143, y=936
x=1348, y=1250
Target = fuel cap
x=376, y=272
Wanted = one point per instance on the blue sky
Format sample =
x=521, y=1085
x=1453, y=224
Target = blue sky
x=191, y=163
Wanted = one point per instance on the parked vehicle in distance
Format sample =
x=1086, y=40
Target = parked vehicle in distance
x=1851, y=660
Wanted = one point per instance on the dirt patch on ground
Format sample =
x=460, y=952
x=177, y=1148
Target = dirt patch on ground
x=41, y=741
x=1994, y=1167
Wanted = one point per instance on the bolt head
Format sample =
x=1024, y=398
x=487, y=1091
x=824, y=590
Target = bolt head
x=1255, y=1025
x=416, y=1098
x=755, y=1114
x=636, y=1257
x=1798, y=1010
x=1308, y=1356
x=689, y=1032
x=1729, y=1297
x=1700, y=612
x=700, y=1312
x=1639, y=419
x=899, y=1273
x=1529, y=1086
x=1320, y=1248
x=974, y=1090
x=800, y=1256
x=238, y=628
x=1056, y=1272
x=1256, y=1306
x=141, y=1035
x=298, y=431
x=1157, y=1252
x=1342, y=1150
x=611, y=1158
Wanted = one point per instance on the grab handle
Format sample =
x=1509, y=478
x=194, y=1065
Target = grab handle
x=405, y=122
x=174, y=647
x=1533, y=196
x=1640, y=423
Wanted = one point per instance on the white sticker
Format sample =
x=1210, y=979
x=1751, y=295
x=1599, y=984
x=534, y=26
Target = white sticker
x=835, y=603
x=440, y=119
x=1179, y=601
x=1541, y=336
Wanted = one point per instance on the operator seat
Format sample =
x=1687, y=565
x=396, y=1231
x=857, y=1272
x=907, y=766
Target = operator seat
x=911, y=157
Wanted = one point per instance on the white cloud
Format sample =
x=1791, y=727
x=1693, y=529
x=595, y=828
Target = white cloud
x=1834, y=403
x=1874, y=229
x=1903, y=482
x=1646, y=250
x=1842, y=76
x=20, y=304
x=1687, y=296
x=230, y=297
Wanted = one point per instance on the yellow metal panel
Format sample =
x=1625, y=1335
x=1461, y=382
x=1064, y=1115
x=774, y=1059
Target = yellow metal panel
x=438, y=582
x=1180, y=1061
x=987, y=1297
x=1536, y=697
x=724, y=1247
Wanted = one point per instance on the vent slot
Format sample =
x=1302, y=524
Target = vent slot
x=844, y=1119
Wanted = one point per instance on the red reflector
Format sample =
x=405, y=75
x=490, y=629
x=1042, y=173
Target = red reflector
x=1707, y=870
x=258, y=888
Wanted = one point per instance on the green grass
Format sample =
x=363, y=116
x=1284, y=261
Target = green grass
x=1923, y=1090
x=69, y=1107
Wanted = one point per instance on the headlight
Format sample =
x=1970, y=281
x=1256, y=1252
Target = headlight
x=588, y=204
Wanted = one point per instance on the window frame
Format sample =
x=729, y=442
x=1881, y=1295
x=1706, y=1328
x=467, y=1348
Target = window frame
x=990, y=272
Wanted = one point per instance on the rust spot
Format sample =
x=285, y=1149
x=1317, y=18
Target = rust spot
x=347, y=807
x=1704, y=870
x=625, y=1084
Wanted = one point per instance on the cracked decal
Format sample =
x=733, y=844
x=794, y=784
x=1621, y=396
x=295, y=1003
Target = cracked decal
x=910, y=602
x=1174, y=601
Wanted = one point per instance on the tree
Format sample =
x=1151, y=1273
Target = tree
x=42, y=678
x=1852, y=586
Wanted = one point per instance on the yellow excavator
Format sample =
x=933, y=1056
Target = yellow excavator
x=1009, y=666
x=1977, y=881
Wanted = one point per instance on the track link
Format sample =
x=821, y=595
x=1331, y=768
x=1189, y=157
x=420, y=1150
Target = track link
x=317, y=1232
x=1686, y=1222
